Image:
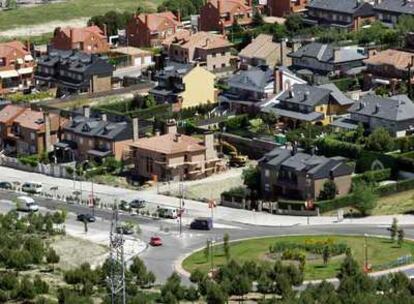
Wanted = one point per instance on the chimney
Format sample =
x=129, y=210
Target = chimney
x=157, y=133
x=86, y=111
x=177, y=137
x=105, y=30
x=48, y=141
x=179, y=16
x=71, y=34
x=146, y=19
x=135, y=129
x=170, y=127
x=223, y=29
x=249, y=3
x=277, y=86
x=104, y=117
x=219, y=5
x=28, y=46
x=306, y=96
x=209, y=144
x=291, y=93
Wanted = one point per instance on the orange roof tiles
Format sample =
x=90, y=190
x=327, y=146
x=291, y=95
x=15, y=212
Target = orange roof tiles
x=159, y=21
x=13, y=46
x=80, y=34
x=201, y=40
x=168, y=144
x=9, y=112
x=396, y=58
x=32, y=120
x=227, y=6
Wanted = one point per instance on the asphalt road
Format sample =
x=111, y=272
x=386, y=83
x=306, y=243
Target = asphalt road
x=161, y=260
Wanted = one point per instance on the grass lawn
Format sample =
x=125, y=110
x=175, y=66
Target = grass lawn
x=70, y=9
x=398, y=203
x=380, y=252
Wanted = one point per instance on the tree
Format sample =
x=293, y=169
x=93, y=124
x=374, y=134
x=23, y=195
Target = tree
x=328, y=191
x=150, y=101
x=400, y=236
x=365, y=199
x=215, y=294
x=197, y=276
x=143, y=277
x=11, y=4
x=26, y=289
x=349, y=268
x=40, y=286
x=326, y=253
x=206, y=250
x=264, y=284
x=257, y=18
x=380, y=140
x=294, y=23
x=183, y=7
x=251, y=177
x=394, y=229
x=52, y=257
x=172, y=286
x=191, y=294
x=226, y=246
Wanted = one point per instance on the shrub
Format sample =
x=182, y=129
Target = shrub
x=332, y=147
x=236, y=192
x=380, y=141
x=372, y=176
x=336, y=203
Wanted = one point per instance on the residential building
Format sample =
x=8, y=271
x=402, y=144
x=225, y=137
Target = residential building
x=264, y=51
x=389, y=11
x=388, y=67
x=25, y=131
x=16, y=67
x=95, y=138
x=73, y=72
x=174, y=156
x=218, y=15
x=287, y=174
x=285, y=79
x=282, y=8
x=344, y=14
x=208, y=50
x=306, y=103
x=150, y=30
x=325, y=59
x=247, y=88
x=396, y=114
x=90, y=39
x=184, y=86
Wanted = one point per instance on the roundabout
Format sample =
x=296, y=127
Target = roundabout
x=320, y=256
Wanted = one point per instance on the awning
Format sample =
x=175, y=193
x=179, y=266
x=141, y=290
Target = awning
x=9, y=74
x=23, y=71
x=99, y=153
x=312, y=116
x=345, y=123
x=28, y=58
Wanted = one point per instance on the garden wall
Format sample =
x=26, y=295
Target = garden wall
x=254, y=148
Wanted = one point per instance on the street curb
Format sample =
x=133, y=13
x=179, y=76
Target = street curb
x=180, y=270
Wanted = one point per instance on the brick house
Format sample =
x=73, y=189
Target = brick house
x=90, y=39
x=281, y=8
x=16, y=67
x=74, y=72
x=344, y=14
x=95, y=138
x=171, y=155
x=389, y=11
x=299, y=176
x=208, y=50
x=387, y=67
x=217, y=15
x=149, y=30
x=25, y=131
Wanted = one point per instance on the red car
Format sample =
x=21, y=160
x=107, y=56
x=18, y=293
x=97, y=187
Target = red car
x=155, y=241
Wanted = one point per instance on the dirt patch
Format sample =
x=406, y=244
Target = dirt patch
x=75, y=251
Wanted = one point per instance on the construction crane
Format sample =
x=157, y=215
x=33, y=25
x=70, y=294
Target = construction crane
x=236, y=159
x=116, y=280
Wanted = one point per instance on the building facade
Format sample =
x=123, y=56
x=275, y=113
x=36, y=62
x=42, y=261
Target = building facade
x=282, y=8
x=389, y=11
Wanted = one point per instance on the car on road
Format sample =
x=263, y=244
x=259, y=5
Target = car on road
x=168, y=212
x=202, y=223
x=26, y=204
x=135, y=203
x=32, y=187
x=155, y=241
x=86, y=217
x=6, y=185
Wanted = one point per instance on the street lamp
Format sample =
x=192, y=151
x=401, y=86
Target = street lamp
x=366, y=251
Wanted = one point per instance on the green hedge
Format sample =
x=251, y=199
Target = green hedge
x=373, y=176
x=332, y=147
x=336, y=203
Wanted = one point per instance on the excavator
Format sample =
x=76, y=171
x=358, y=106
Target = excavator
x=236, y=159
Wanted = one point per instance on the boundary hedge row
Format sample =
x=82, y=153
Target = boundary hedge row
x=373, y=176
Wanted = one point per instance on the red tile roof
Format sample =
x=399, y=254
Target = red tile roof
x=227, y=6
x=9, y=112
x=13, y=46
x=200, y=40
x=159, y=21
x=80, y=34
x=34, y=120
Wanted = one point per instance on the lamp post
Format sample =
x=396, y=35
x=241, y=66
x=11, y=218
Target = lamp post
x=366, y=251
x=308, y=195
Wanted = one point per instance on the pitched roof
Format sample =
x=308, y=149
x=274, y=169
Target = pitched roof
x=81, y=33
x=397, y=6
x=34, y=120
x=227, y=6
x=305, y=94
x=399, y=59
x=254, y=79
x=327, y=53
x=199, y=40
x=337, y=94
x=159, y=21
x=168, y=144
x=12, y=46
x=396, y=108
x=261, y=47
x=353, y=7
x=9, y=112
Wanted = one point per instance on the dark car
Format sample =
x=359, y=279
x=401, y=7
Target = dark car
x=125, y=230
x=137, y=203
x=86, y=217
x=6, y=185
x=202, y=223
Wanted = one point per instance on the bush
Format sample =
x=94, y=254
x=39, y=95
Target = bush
x=336, y=203
x=29, y=160
x=380, y=141
x=332, y=147
x=236, y=192
x=372, y=176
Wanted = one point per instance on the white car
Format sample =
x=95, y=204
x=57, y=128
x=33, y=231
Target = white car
x=32, y=187
x=27, y=204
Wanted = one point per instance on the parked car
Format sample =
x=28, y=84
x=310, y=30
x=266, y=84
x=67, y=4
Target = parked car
x=26, y=204
x=155, y=241
x=125, y=229
x=6, y=185
x=135, y=203
x=202, y=223
x=32, y=187
x=86, y=217
x=168, y=212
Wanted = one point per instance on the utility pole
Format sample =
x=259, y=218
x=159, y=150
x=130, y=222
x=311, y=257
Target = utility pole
x=366, y=252
x=117, y=276
x=181, y=190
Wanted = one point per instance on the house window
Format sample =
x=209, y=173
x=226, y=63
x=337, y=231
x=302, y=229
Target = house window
x=223, y=65
x=32, y=136
x=90, y=143
x=68, y=136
